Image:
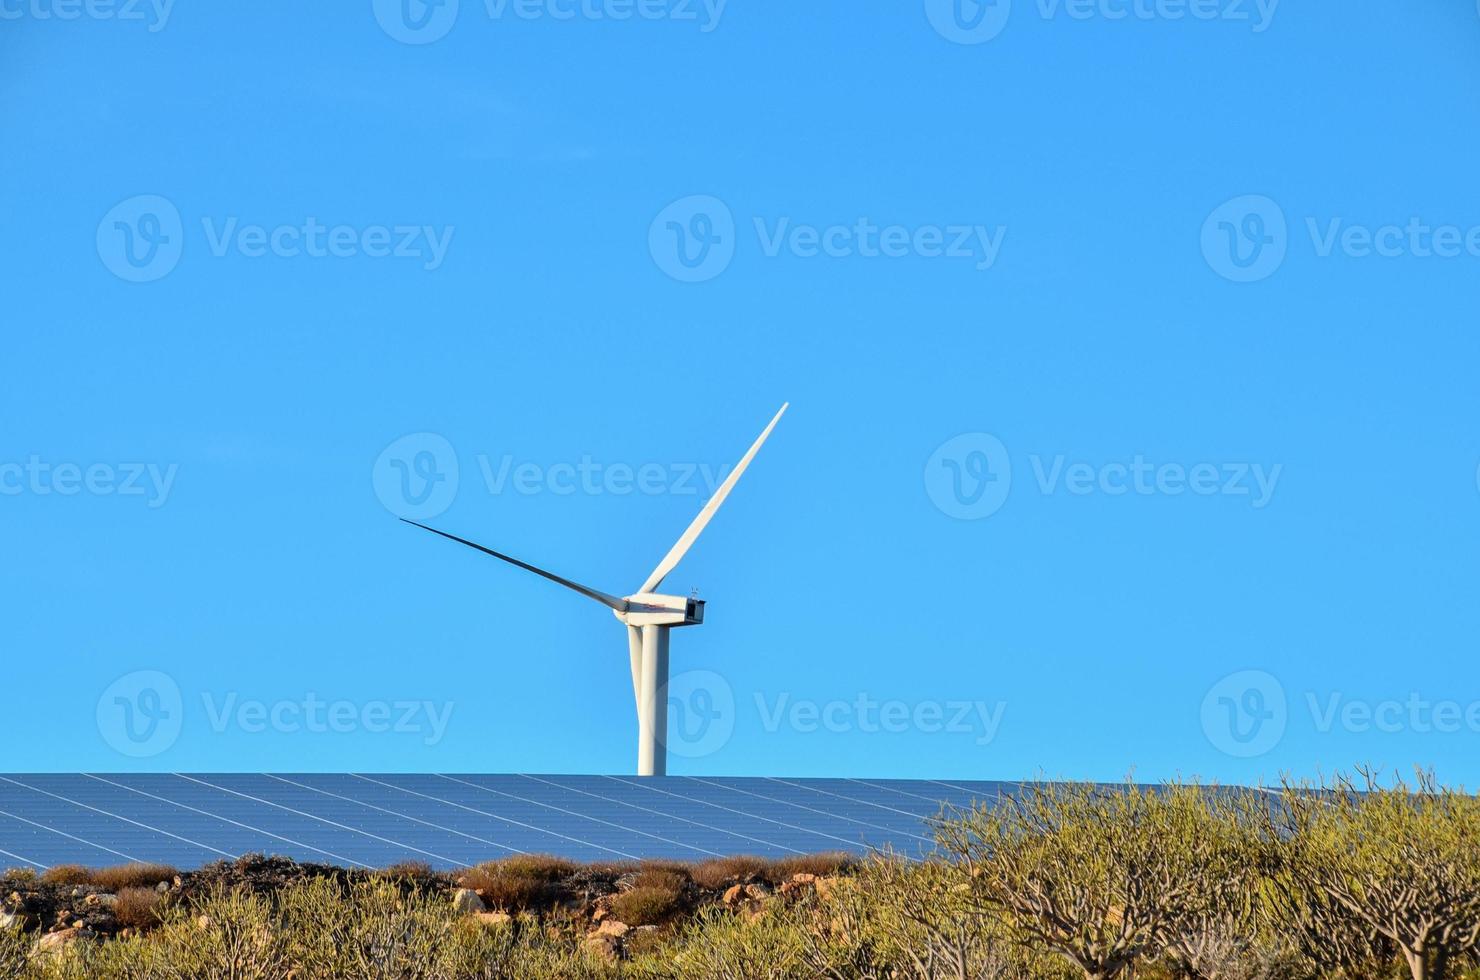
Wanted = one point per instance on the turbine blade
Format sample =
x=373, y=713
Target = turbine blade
x=610, y=602
x=676, y=553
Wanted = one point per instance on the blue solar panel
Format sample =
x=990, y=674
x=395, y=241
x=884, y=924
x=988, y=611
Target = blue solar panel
x=452, y=820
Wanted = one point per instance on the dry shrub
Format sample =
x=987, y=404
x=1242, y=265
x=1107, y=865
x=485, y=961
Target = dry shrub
x=661, y=878
x=135, y=875
x=66, y=874
x=24, y=875
x=540, y=867
x=644, y=906
x=720, y=872
x=138, y=908
x=680, y=868
x=822, y=865
x=518, y=883
x=408, y=869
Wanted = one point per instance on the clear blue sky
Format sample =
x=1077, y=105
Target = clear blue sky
x=1094, y=321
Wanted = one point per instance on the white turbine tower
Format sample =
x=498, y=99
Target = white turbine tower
x=649, y=616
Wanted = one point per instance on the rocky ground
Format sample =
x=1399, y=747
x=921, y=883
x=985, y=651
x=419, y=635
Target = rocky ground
x=617, y=906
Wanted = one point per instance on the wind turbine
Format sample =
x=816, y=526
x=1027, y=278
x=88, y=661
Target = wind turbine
x=649, y=616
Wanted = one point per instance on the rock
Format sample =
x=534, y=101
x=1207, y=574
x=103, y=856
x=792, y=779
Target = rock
x=797, y=882
x=104, y=899
x=162, y=887
x=492, y=919
x=611, y=927
x=604, y=946
x=55, y=942
x=13, y=920
x=732, y=894
x=465, y=901
x=178, y=883
x=757, y=891
x=203, y=923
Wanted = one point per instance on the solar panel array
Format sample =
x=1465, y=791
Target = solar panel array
x=454, y=820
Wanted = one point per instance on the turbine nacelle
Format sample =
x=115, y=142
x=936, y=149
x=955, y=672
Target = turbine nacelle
x=652, y=609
